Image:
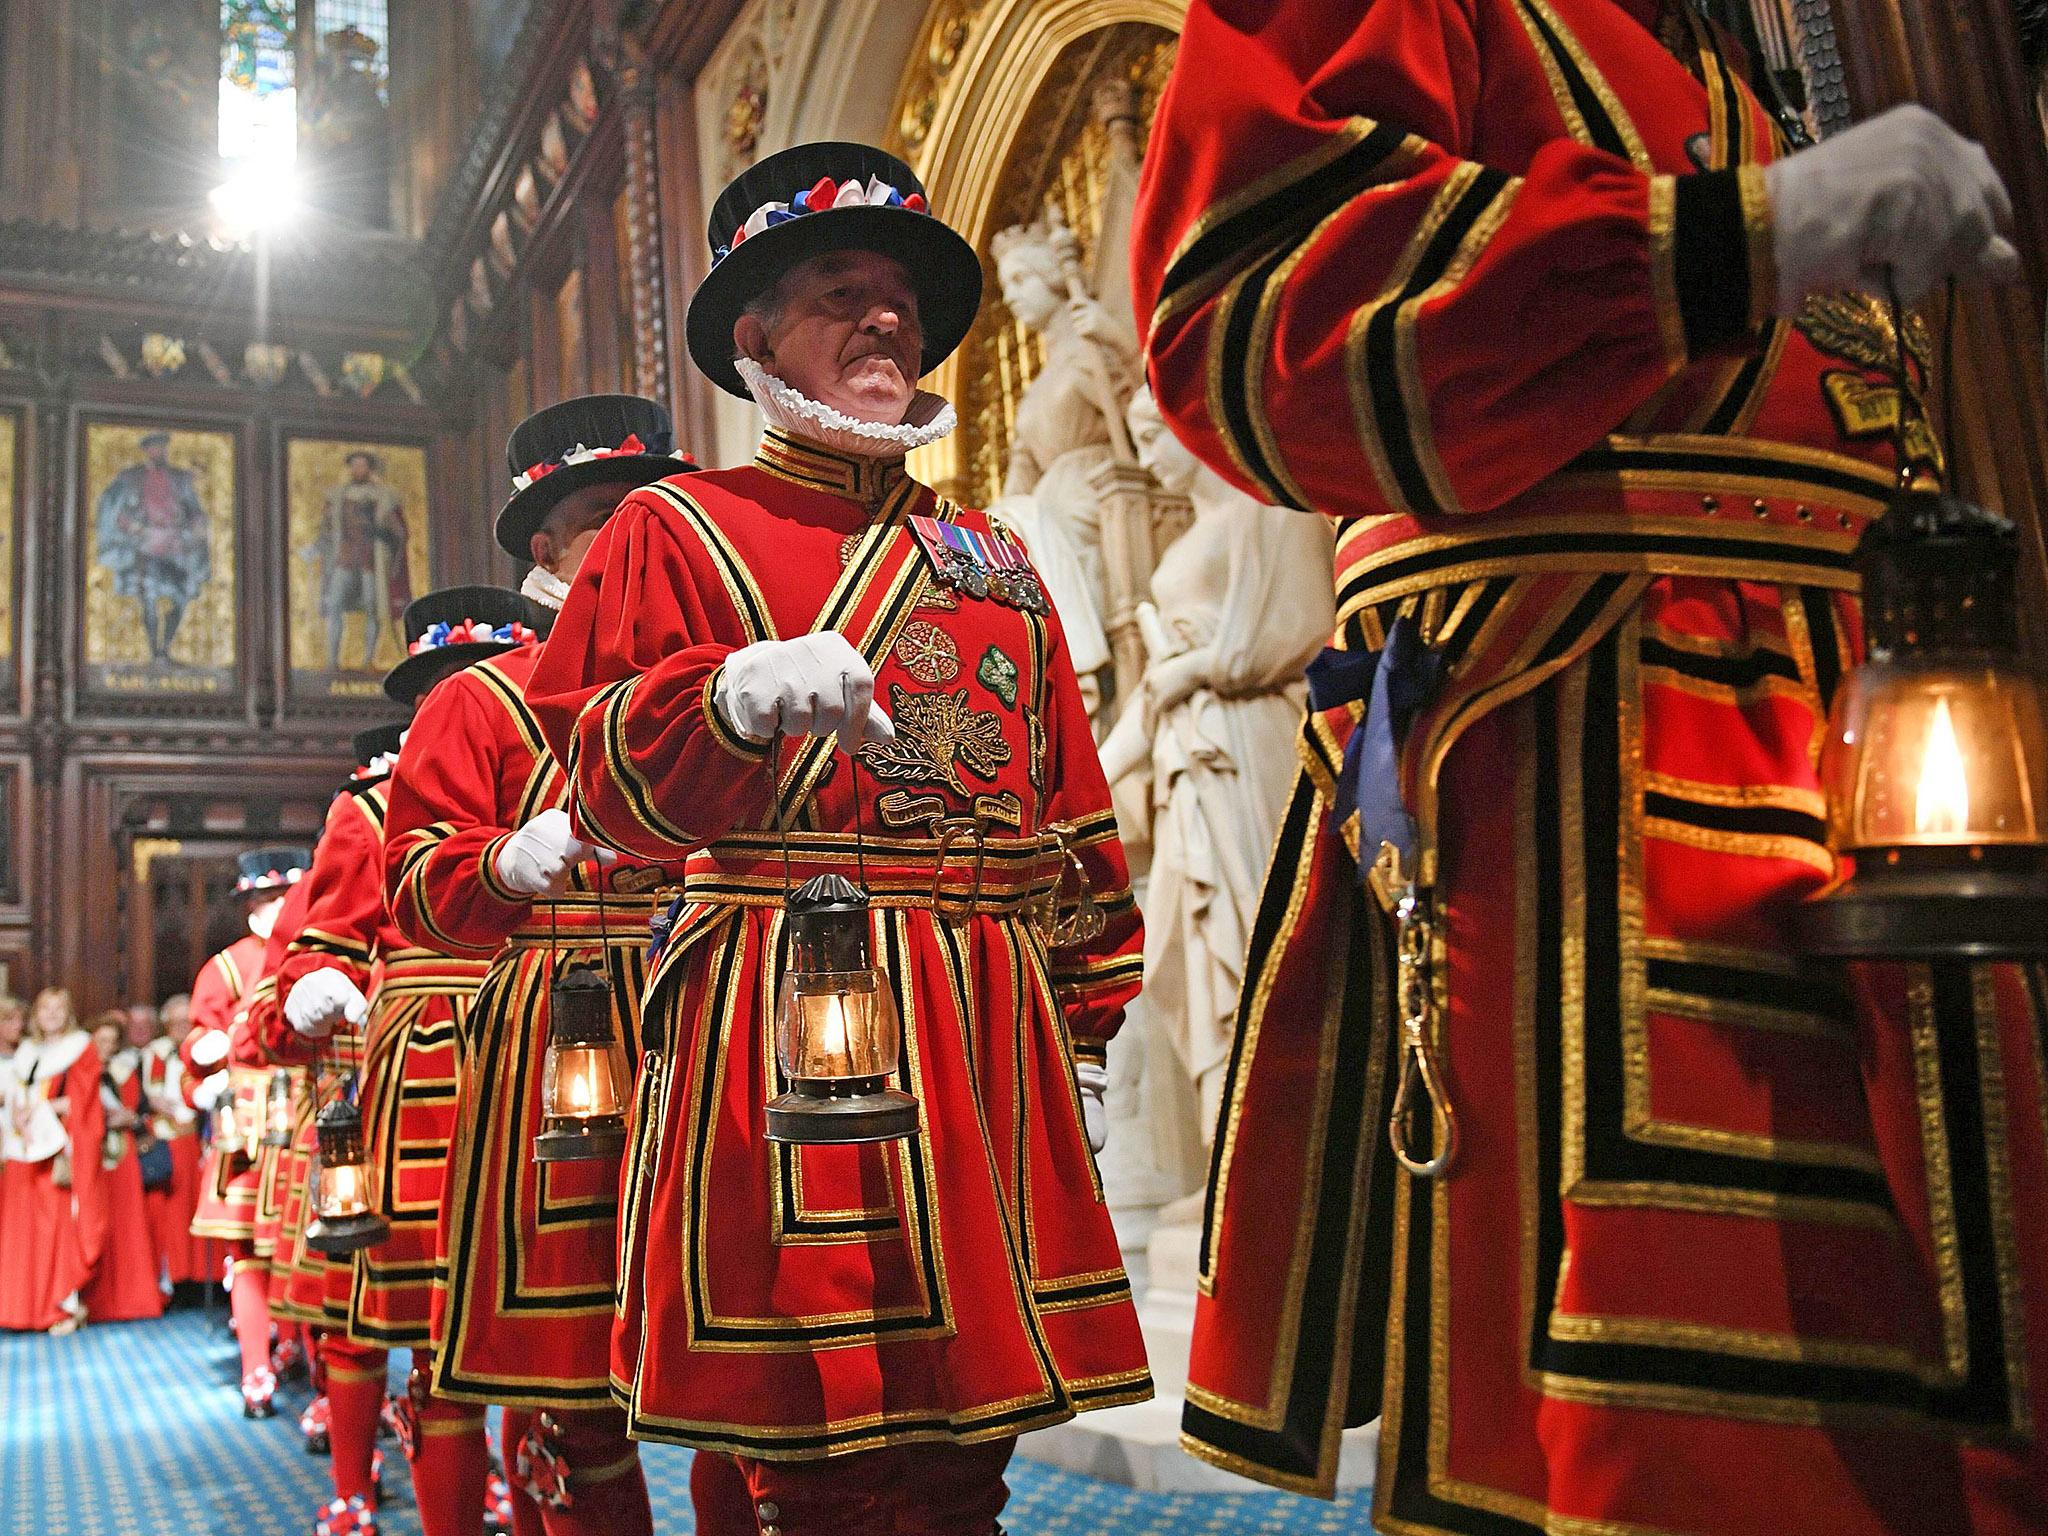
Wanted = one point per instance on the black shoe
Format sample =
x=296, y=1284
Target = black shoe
x=262, y=1410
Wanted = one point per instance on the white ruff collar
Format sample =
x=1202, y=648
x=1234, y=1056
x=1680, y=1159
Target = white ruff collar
x=545, y=588
x=41, y=1060
x=797, y=413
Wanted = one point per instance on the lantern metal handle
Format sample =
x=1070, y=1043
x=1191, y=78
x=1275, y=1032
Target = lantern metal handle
x=860, y=857
x=1901, y=368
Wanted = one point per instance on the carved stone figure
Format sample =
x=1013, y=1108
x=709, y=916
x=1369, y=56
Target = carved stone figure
x=1069, y=424
x=1240, y=603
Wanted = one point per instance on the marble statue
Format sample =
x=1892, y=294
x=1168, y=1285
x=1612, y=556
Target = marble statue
x=1240, y=603
x=1069, y=425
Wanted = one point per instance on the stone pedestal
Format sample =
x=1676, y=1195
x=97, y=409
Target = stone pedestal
x=1139, y=1445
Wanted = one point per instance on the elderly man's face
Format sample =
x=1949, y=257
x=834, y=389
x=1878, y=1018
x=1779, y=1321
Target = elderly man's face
x=847, y=335
x=141, y=1026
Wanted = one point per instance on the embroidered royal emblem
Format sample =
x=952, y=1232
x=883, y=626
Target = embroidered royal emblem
x=937, y=734
x=901, y=809
x=928, y=653
x=1858, y=329
x=998, y=674
x=1036, y=729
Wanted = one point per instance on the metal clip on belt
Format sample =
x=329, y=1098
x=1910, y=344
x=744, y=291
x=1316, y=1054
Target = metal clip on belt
x=952, y=830
x=1415, y=1000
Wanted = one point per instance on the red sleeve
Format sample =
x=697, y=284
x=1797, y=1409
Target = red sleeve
x=1319, y=238
x=266, y=1007
x=215, y=991
x=344, y=909
x=245, y=1048
x=1095, y=977
x=445, y=824
x=623, y=694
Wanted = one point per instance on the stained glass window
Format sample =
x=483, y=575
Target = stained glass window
x=259, y=111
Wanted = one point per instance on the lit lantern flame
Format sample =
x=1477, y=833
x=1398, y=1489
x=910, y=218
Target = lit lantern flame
x=343, y=1191
x=1942, y=805
x=832, y=1043
x=579, y=1093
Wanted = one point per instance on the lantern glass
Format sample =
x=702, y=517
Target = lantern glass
x=344, y=1219
x=1928, y=754
x=277, y=1130
x=343, y=1191
x=580, y=1082
x=584, y=1077
x=837, y=1026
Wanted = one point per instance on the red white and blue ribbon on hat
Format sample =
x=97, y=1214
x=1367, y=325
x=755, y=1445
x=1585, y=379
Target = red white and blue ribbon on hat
x=632, y=446
x=471, y=632
x=824, y=194
x=271, y=877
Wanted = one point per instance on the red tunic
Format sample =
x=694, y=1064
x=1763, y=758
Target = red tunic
x=314, y=1287
x=1733, y=1242
x=124, y=1288
x=406, y=1094
x=531, y=1249
x=964, y=1284
x=52, y=1225
x=286, y=1167
x=229, y=1175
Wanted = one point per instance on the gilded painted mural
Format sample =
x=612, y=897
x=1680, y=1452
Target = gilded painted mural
x=160, y=559
x=356, y=524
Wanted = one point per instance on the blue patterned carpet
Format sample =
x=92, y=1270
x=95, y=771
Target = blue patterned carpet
x=136, y=1430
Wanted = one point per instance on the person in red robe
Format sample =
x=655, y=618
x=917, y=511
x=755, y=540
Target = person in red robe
x=176, y=1124
x=295, y=1310
x=13, y=1025
x=479, y=861
x=126, y=1286
x=1591, y=364
x=228, y=1080
x=356, y=989
x=309, y=1289
x=53, y=1223
x=867, y=1328
x=189, y=1261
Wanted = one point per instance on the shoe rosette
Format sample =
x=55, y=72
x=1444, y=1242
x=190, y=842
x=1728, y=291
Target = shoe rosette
x=351, y=1516
x=313, y=1425
x=540, y=1467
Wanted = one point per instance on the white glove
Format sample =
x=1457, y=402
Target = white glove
x=207, y=1096
x=1093, y=1081
x=210, y=1050
x=814, y=686
x=1903, y=190
x=536, y=859
x=319, y=1000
